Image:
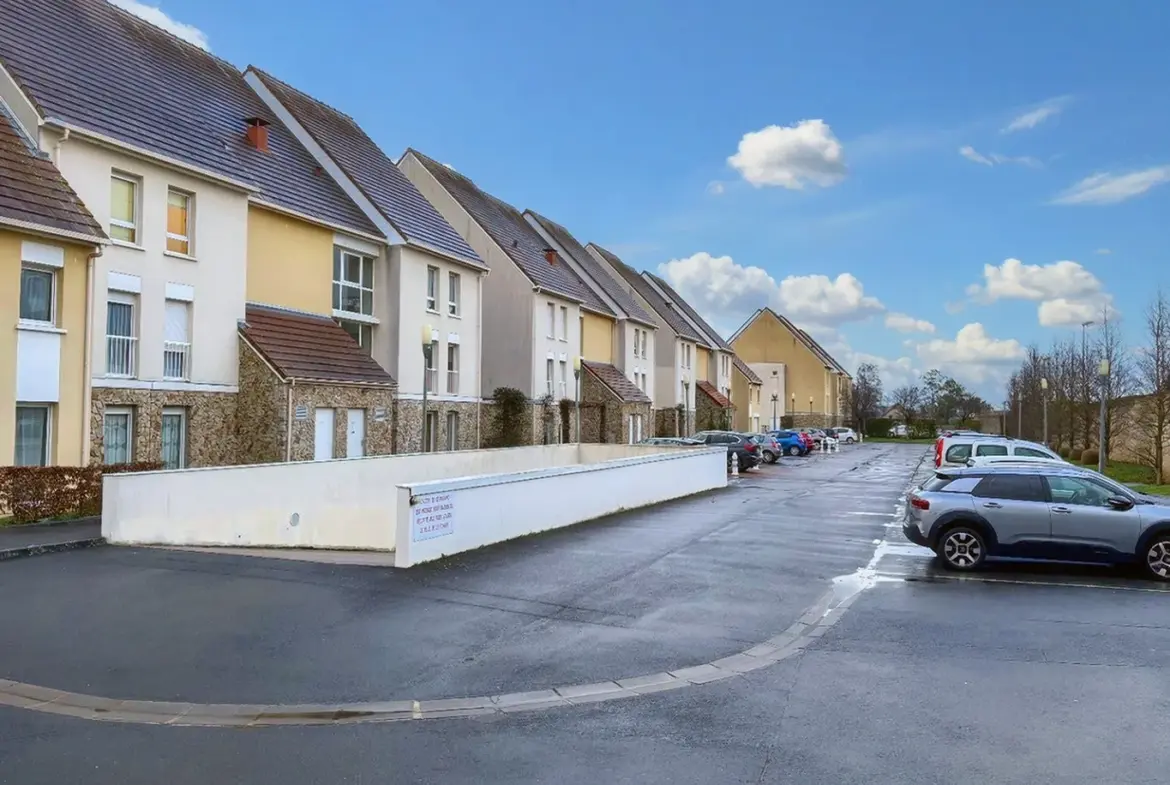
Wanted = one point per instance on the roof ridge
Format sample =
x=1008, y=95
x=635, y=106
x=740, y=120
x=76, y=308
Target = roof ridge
x=260, y=72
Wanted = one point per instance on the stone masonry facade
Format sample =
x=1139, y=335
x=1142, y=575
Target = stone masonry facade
x=410, y=420
x=211, y=418
x=605, y=417
x=673, y=421
x=710, y=416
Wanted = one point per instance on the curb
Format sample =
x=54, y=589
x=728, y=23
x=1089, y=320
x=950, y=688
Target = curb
x=56, y=547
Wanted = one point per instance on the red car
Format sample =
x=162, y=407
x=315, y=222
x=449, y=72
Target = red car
x=808, y=440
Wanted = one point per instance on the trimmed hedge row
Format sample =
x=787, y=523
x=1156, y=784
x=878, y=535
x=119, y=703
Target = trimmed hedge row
x=39, y=493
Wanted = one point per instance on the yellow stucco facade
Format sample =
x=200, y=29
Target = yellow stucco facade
x=596, y=337
x=768, y=340
x=67, y=414
x=290, y=262
x=746, y=397
x=702, y=364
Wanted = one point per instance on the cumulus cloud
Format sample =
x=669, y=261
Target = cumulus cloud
x=1067, y=293
x=908, y=324
x=791, y=156
x=715, y=188
x=995, y=159
x=1036, y=115
x=157, y=17
x=1109, y=188
x=972, y=356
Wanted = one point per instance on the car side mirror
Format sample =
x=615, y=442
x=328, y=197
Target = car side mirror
x=1119, y=503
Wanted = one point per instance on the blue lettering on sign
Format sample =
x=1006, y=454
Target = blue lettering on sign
x=432, y=516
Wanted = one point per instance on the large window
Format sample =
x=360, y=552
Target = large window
x=552, y=321
x=453, y=294
x=548, y=375
x=118, y=436
x=177, y=343
x=453, y=368
x=430, y=443
x=564, y=323
x=360, y=331
x=564, y=388
x=174, y=438
x=32, y=435
x=1013, y=487
x=179, y=222
x=124, y=208
x=121, y=335
x=37, y=296
x=431, y=357
x=637, y=343
x=433, y=289
x=353, y=283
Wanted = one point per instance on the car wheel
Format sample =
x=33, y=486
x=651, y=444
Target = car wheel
x=849, y=440
x=962, y=548
x=1157, y=559
x=794, y=451
x=769, y=456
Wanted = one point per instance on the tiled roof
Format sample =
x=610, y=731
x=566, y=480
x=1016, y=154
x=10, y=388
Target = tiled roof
x=307, y=347
x=746, y=370
x=616, y=382
x=94, y=66
x=363, y=162
x=664, y=309
x=595, y=271
x=508, y=229
x=719, y=398
x=801, y=335
x=677, y=299
x=33, y=191
x=821, y=350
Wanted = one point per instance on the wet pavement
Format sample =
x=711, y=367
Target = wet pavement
x=1021, y=674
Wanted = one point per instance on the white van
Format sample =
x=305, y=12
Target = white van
x=956, y=450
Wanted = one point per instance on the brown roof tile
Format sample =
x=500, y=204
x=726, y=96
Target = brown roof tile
x=719, y=398
x=617, y=382
x=746, y=370
x=308, y=347
x=673, y=317
x=685, y=307
x=33, y=191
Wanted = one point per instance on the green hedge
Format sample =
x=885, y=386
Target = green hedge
x=879, y=426
x=1090, y=457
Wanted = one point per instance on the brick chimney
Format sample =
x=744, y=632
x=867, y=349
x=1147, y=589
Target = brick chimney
x=551, y=255
x=257, y=133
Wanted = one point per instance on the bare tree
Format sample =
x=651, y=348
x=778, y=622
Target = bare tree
x=1153, y=374
x=1119, y=383
x=909, y=399
x=866, y=395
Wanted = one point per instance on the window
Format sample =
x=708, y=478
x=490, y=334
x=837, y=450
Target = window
x=353, y=283
x=957, y=453
x=637, y=342
x=452, y=430
x=360, y=331
x=431, y=357
x=177, y=344
x=124, y=208
x=1079, y=491
x=121, y=338
x=645, y=340
x=548, y=373
x=453, y=294
x=453, y=368
x=433, y=289
x=1033, y=453
x=37, y=296
x=432, y=431
x=32, y=435
x=991, y=449
x=117, y=434
x=564, y=323
x=552, y=321
x=564, y=378
x=174, y=438
x=1013, y=487
x=179, y=222
x=686, y=355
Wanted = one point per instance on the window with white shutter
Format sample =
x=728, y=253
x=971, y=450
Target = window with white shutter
x=177, y=340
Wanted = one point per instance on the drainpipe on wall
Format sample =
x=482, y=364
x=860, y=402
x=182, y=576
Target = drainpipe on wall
x=87, y=363
x=479, y=359
x=288, y=419
x=57, y=148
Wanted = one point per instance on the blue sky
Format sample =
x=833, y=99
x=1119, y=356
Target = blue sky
x=758, y=152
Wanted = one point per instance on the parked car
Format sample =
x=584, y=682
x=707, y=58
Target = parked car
x=790, y=442
x=737, y=443
x=1042, y=511
x=845, y=435
x=999, y=460
x=668, y=440
x=770, y=450
x=900, y=431
x=956, y=450
x=815, y=433
x=810, y=443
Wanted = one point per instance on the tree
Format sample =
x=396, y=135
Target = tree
x=866, y=395
x=1110, y=347
x=909, y=399
x=1153, y=374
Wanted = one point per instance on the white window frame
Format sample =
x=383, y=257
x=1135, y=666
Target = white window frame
x=431, y=370
x=365, y=332
x=645, y=337
x=564, y=336
x=131, y=300
x=637, y=341
x=363, y=286
x=452, y=373
x=432, y=289
x=549, y=373
x=52, y=273
x=136, y=223
x=128, y=412
x=564, y=382
x=431, y=431
x=47, y=448
x=182, y=415
x=179, y=347
x=454, y=294
x=552, y=321
x=189, y=237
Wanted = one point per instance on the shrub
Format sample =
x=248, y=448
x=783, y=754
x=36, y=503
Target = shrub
x=38, y=493
x=1089, y=457
x=922, y=429
x=878, y=426
x=1064, y=452
x=1074, y=455
x=511, y=409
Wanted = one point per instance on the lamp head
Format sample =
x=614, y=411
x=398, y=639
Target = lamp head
x=428, y=334
x=1103, y=368
x=1043, y=384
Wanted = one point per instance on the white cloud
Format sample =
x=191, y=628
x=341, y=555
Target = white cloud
x=157, y=17
x=715, y=188
x=791, y=156
x=1103, y=252
x=908, y=324
x=1109, y=188
x=1068, y=293
x=973, y=357
x=1036, y=115
x=995, y=159
x=728, y=291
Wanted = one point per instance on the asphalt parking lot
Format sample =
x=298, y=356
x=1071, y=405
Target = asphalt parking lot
x=1019, y=674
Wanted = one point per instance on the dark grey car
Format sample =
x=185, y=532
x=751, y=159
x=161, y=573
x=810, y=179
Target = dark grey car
x=1058, y=512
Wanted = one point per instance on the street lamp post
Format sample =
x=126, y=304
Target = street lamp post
x=794, y=403
x=775, y=401
x=1103, y=375
x=577, y=384
x=686, y=427
x=1044, y=394
x=428, y=335
x=810, y=404
x=1019, y=417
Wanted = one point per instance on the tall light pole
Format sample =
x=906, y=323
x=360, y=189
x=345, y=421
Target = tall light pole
x=794, y=403
x=577, y=395
x=428, y=335
x=1044, y=394
x=775, y=401
x=1085, y=372
x=686, y=406
x=775, y=398
x=1103, y=375
x=1019, y=416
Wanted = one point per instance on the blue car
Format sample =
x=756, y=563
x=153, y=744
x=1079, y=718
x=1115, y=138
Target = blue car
x=790, y=442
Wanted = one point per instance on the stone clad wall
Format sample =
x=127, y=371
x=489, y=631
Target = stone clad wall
x=710, y=416
x=378, y=403
x=410, y=420
x=261, y=410
x=211, y=424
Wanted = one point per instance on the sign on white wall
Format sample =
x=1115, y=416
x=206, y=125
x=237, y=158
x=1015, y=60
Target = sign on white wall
x=432, y=515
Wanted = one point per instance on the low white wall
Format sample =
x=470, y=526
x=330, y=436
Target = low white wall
x=326, y=504
x=437, y=519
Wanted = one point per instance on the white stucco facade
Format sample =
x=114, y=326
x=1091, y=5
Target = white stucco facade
x=558, y=342
x=772, y=375
x=634, y=364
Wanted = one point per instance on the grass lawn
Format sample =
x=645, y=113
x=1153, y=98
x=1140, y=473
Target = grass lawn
x=1156, y=490
x=896, y=440
x=1140, y=477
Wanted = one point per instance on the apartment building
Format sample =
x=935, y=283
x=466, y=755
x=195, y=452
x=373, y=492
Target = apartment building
x=747, y=390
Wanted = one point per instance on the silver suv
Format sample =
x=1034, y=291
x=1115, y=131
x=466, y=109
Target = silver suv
x=1041, y=511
